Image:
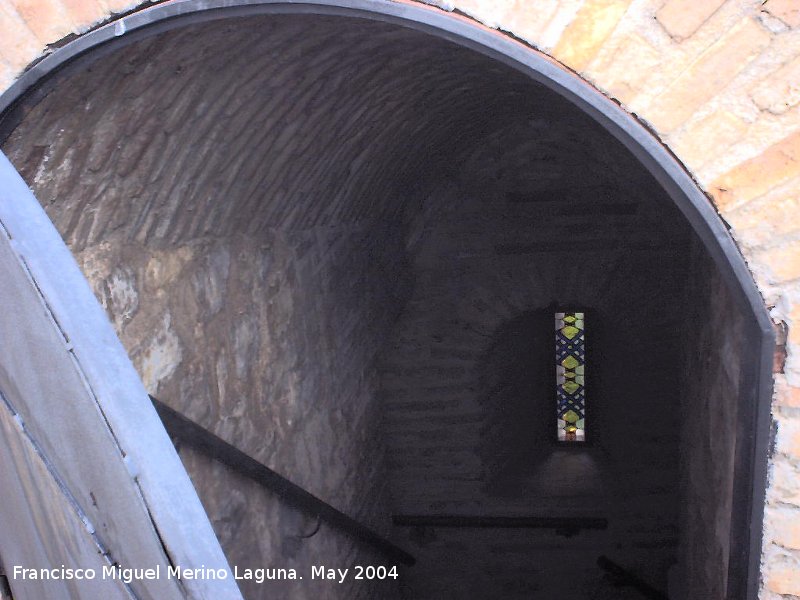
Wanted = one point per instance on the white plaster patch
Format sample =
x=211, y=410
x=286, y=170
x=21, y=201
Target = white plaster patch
x=447, y=5
x=245, y=345
x=221, y=370
x=162, y=356
x=211, y=281
x=120, y=297
x=44, y=170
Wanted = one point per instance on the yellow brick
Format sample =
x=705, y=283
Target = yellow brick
x=18, y=45
x=755, y=177
x=119, y=6
x=785, y=394
x=7, y=74
x=623, y=73
x=774, y=215
x=787, y=11
x=490, y=12
x=793, y=338
x=780, y=91
x=47, y=19
x=708, y=137
x=526, y=23
x=708, y=75
x=783, y=261
x=784, y=525
x=5, y=81
x=85, y=13
x=681, y=18
x=784, y=580
x=584, y=37
x=788, y=443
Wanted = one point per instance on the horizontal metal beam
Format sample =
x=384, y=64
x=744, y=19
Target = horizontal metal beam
x=562, y=525
x=202, y=440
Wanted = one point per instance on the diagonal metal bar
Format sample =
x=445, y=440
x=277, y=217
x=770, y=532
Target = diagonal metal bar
x=623, y=577
x=190, y=433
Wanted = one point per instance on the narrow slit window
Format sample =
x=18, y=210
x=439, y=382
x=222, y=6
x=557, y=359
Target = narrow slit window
x=570, y=376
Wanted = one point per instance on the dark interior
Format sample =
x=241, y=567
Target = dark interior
x=338, y=244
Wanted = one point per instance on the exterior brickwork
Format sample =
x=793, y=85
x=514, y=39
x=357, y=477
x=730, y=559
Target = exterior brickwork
x=718, y=83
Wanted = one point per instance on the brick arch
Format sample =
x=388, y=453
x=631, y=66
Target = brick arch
x=716, y=41
x=633, y=132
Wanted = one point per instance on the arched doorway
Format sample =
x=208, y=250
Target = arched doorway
x=463, y=129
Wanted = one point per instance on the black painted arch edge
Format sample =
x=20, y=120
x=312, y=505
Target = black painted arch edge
x=634, y=135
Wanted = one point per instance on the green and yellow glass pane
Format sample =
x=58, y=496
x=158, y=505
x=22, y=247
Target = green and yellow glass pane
x=570, y=376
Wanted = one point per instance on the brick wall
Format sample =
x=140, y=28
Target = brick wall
x=468, y=377
x=713, y=347
x=716, y=80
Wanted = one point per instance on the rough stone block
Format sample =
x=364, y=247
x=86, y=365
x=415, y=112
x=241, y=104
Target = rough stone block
x=787, y=11
x=780, y=91
x=592, y=26
x=681, y=18
x=709, y=74
x=778, y=163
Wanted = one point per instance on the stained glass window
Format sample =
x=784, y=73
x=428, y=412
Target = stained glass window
x=570, y=373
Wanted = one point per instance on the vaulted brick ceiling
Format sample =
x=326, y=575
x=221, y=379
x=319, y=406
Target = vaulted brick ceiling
x=248, y=124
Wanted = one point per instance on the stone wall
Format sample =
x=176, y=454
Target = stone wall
x=270, y=343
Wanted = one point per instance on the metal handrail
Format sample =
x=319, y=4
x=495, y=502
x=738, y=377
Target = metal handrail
x=193, y=435
x=567, y=526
